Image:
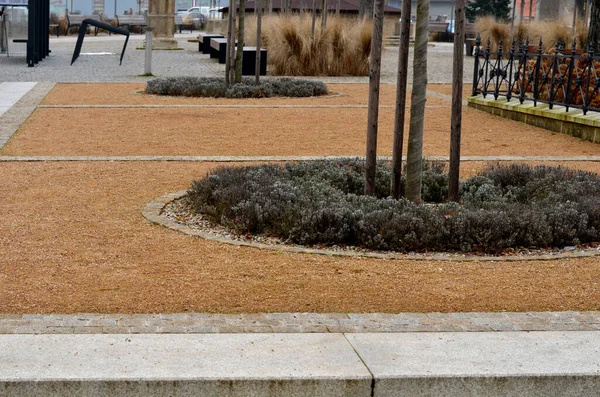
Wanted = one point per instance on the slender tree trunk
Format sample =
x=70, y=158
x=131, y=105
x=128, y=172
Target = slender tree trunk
x=457, y=89
x=258, y=11
x=512, y=20
x=314, y=18
x=240, y=39
x=594, y=32
x=365, y=8
x=337, y=7
x=414, y=160
x=373, y=112
x=323, y=15
x=232, y=44
x=401, y=99
x=228, y=49
x=530, y=12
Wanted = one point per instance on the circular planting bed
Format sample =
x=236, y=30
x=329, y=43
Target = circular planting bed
x=505, y=210
x=215, y=87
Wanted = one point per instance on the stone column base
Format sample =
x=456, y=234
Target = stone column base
x=160, y=43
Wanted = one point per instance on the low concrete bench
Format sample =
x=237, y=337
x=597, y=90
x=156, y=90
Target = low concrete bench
x=128, y=21
x=54, y=26
x=218, y=49
x=249, y=61
x=204, y=41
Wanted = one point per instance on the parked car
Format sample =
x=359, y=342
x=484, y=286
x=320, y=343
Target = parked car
x=195, y=18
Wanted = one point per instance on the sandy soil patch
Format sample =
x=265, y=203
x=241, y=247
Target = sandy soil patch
x=74, y=240
x=128, y=94
x=446, y=89
x=269, y=132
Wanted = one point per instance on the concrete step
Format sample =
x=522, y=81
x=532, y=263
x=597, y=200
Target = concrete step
x=369, y=364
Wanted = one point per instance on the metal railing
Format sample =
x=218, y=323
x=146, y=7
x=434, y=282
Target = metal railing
x=562, y=77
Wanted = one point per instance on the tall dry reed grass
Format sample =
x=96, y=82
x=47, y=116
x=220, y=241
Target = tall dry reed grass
x=549, y=32
x=341, y=49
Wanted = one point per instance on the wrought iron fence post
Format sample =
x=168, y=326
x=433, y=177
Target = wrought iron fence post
x=487, y=62
x=537, y=74
x=476, y=72
x=525, y=72
x=498, y=70
x=570, y=74
x=511, y=59
x=553, y=70
x=590, y=64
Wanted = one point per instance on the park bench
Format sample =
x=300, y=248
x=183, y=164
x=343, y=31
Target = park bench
x=132, y=20
x=249, y=61
x=437, y=27
x=470, y=37
x=204, y=41
x=218, y=49
x=181, y=24
x=75, y=20
x=54, y=26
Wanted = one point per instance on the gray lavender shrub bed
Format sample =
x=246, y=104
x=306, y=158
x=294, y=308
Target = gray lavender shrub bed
x=215, y=87
x=321, y=202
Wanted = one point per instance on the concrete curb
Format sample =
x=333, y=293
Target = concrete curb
x=20, y=111
x=205, y=323
x=153, y=212
x=445, y=364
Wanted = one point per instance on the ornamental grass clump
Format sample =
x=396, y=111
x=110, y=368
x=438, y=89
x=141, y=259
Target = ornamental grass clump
x=322, y=203
x=215, y=87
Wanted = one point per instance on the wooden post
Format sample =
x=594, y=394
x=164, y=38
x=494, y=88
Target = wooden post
x=231, y=70
x=401, y=99
x=373, y=112
x=314, y=18
x=512, y=22
x=258, y=38
x=457, y=89
x=228, y=49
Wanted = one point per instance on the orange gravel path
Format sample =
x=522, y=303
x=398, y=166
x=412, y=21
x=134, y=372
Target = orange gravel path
x=74, y=240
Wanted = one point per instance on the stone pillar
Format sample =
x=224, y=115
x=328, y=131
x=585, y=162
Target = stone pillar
x=161, y=18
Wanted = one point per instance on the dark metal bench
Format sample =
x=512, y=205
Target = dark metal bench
x=132, y=20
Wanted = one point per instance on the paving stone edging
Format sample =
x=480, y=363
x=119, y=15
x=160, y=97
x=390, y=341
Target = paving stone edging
x=241, y=159
x=153, y=212
x=20, y=111
x=189, y=323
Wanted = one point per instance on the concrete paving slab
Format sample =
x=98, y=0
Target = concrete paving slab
x=181, y=365
x=482, y=364
x=10, y=93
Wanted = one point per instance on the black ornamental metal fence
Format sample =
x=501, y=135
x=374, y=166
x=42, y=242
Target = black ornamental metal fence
x=562, y=77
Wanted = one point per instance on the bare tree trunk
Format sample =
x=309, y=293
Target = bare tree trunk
x=258, y=11
x=314, y=18
x=228, y=48
x=337, y=7
x=373, y=113
x=240, y=45
x=323, y=15
x=401, y=100
x=414, y=158
x=512, y=21
x=365, y=8
x=594, y=33
x=232, y=44
x=457, y=89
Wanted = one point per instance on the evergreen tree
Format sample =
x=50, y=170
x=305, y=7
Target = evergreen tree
x=499, y=9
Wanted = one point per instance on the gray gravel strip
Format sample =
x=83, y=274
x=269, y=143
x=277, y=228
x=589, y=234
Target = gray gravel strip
x=20, y=111
x=92, y=323
x=226, y=159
